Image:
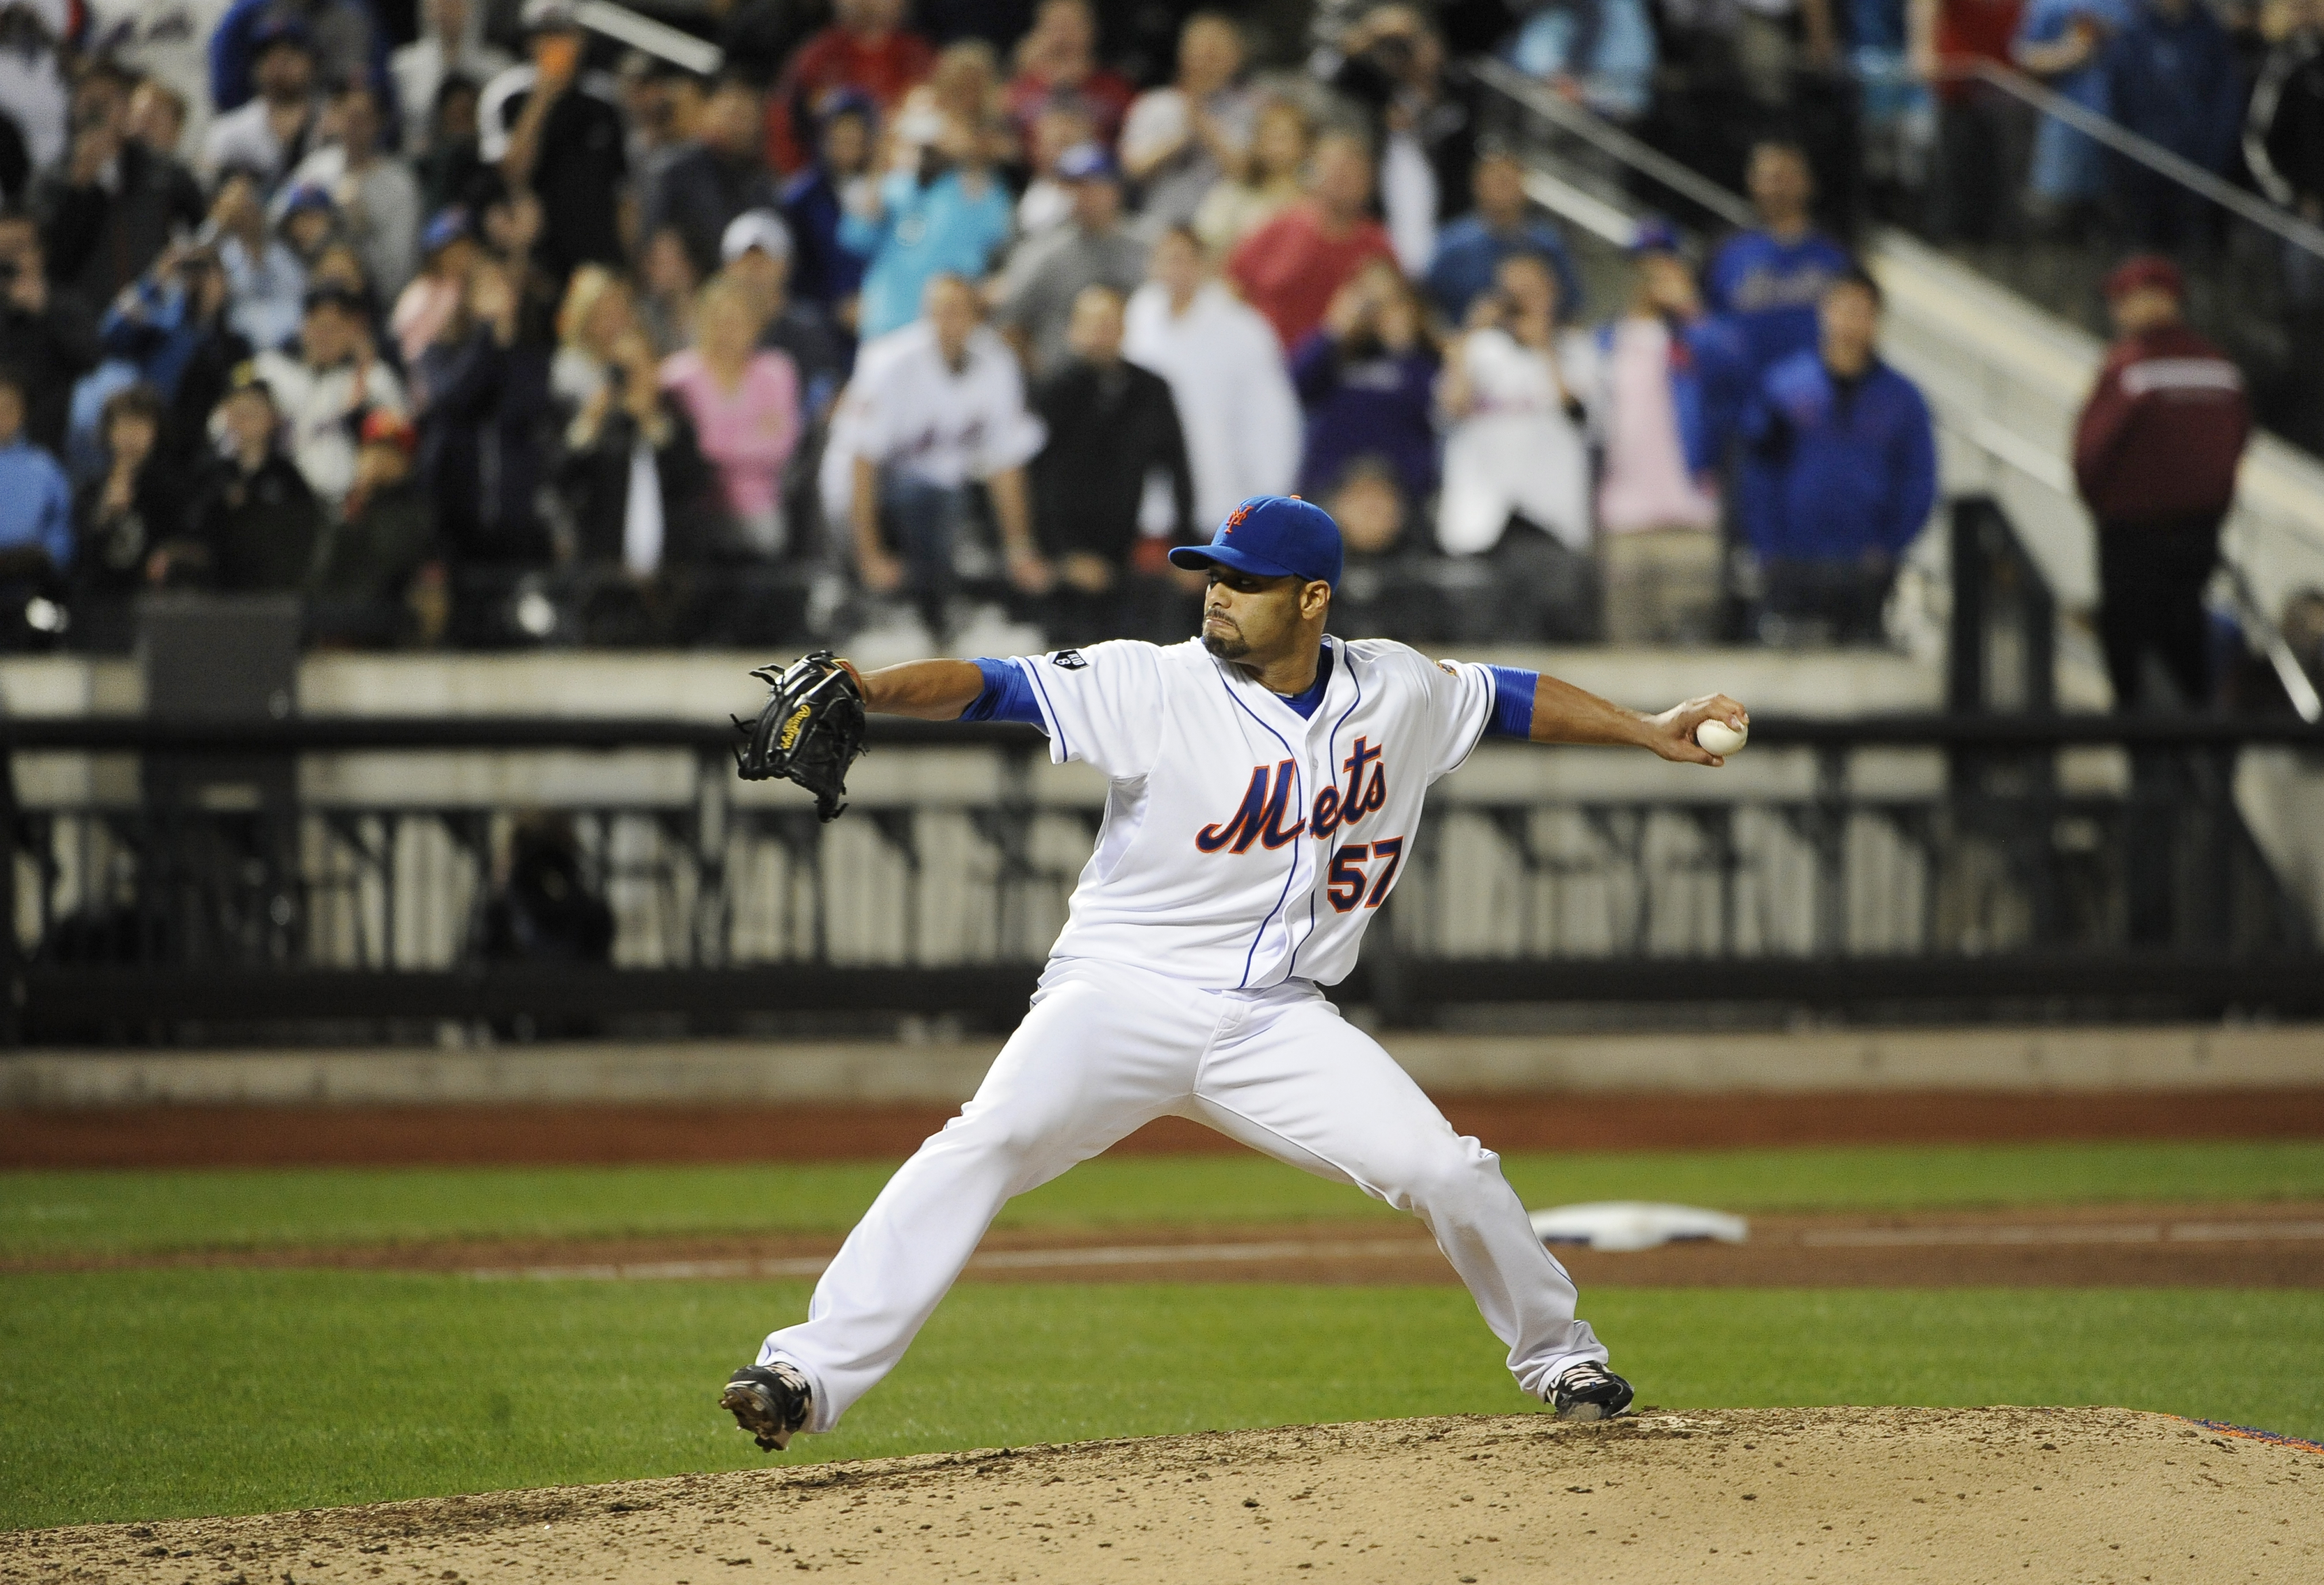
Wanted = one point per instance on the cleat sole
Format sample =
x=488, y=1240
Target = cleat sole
x=755, y=1412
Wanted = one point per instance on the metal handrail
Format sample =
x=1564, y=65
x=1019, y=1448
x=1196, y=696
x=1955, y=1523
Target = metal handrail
x=342, y=733
x=2289, y=672
x=1600, y=133
x=626, y=26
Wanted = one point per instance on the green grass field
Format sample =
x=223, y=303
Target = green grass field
x=150, y=1392
x=60, y=1212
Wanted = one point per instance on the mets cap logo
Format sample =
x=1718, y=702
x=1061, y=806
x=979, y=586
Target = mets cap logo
x=1234, y=520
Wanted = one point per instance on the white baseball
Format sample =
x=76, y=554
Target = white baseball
x=1721, y=738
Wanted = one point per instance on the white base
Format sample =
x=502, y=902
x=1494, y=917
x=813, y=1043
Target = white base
x=1623, y=1225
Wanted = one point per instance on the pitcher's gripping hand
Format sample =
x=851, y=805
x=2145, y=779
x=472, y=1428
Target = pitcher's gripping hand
x=1671, y=733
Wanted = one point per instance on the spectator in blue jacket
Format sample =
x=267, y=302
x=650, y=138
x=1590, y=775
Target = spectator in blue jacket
x=2171, y=76
x=1840, y=474
x=1769, y=279
x=36, y=537
x=1470, y=249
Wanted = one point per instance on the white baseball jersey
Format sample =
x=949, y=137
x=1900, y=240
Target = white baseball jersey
x=1244, y=846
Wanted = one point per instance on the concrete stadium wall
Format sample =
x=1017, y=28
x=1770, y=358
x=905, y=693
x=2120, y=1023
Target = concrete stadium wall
x=709, y=685
x=2168, y=1058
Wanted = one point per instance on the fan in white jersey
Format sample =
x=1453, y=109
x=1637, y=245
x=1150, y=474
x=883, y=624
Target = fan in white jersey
x=1266, y=783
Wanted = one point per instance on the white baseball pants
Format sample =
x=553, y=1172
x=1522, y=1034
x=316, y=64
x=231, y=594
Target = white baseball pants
x=1107, y=1047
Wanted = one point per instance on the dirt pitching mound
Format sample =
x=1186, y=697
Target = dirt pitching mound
x=1763, y=1494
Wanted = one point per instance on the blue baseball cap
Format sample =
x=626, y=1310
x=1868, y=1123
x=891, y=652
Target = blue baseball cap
x=1656, y=234
x=277, y=28
x=844, y=101
x=1271, y=536
x=449, y=226
x=1087, y=163
x=307, y=196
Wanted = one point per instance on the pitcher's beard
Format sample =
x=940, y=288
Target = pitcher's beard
x=1226, y=648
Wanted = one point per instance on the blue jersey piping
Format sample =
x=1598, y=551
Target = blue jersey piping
x=1065, y=749
x=1299, y=784
x=1333, y=748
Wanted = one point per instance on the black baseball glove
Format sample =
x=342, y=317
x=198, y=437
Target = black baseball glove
x=809, y=733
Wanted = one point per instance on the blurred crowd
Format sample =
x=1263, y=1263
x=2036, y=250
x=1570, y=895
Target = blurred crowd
x=1897, y=102
x=474, y=328
x=2044, y=138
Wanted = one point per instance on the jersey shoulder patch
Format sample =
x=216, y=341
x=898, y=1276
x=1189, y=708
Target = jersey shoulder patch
x=1068, y=660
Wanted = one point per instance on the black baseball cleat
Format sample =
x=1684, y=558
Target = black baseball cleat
x=771, y=1401
x=1589, y=1391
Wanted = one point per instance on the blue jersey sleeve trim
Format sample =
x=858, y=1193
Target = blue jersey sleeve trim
x=1513, y=691
x=1007, y=696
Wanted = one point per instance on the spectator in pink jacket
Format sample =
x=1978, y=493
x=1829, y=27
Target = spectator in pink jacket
x=744, y=402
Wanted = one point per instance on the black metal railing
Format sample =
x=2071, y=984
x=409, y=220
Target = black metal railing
x=168, y=879
x=2001, y=646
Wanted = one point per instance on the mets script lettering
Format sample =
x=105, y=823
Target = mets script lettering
x=1268, y=799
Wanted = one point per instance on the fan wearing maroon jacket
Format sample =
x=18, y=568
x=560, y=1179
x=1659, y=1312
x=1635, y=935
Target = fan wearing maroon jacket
x=2155, y=452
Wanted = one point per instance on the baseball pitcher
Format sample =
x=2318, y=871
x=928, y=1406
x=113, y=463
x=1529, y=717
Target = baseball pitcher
x=1266, y=788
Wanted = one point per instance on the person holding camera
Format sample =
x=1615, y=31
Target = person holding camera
x=108, y=211
x=556, y=134
x=1292, y=268
x=1516, y=465
x=943, y=211
x=1365, y=377
x=1391, y=62
x=1668, y=383
x=266, y=285
x=480, y=455
x=172, y=326
x=325, y=386
x=632, y=472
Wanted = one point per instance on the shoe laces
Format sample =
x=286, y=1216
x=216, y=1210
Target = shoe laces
x=1580, y=1378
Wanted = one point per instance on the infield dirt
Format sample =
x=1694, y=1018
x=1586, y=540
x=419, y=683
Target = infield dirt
x=1830, y=1494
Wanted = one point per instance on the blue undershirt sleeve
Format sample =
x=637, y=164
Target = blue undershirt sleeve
x=1513, y=692
x=1007, y=696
